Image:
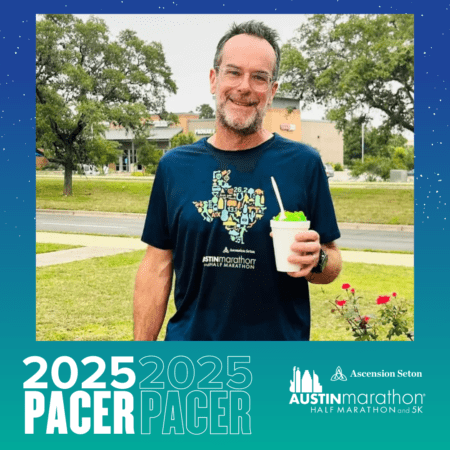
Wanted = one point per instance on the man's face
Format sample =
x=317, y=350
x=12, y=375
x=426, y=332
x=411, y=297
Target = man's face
x=240, y=108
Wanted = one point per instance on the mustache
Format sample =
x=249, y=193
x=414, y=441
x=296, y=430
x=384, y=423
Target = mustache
x=242, y=101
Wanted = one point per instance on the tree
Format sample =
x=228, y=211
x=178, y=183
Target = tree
x=381, y=166
x=354, y=63
x=205, y=111
x=84, y=81
x=182, y=139
x=171, y=118
x=148, y=154
x=377, y=141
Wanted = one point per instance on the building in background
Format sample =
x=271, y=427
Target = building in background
x=202, y=127
x=324, y=137
x=160, y=134
x=283, y=117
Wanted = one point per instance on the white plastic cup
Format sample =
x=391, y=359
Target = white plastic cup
x=283, y=237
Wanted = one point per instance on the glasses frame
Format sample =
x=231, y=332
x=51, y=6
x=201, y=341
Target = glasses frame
x=271, y=80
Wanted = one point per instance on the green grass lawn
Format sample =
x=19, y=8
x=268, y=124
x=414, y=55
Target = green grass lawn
x=46, y=248
x=374, y=205
x=369, y=282
x=88, y=195
x=92, y=300
x=364, y=204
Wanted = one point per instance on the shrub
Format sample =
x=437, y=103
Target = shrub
x=373, y=166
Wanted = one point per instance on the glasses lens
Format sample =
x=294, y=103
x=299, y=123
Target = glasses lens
x=258, y=82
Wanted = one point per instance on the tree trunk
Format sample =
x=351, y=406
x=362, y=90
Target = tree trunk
x=68, y=180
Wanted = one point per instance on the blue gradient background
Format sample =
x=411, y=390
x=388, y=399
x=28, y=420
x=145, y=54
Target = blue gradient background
x=273, y=420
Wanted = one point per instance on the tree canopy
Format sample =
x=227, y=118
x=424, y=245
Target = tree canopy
x=383, y=151
x=85, y=81
x=148, y=154
x=183, y=139
x=377, y=141
x=205, y=111
x=354, y=64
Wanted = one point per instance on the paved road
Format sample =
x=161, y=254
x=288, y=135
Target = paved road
x=132, y=226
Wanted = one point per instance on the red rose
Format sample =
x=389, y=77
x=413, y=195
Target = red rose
x=366, y=318
x=383, y=299
x=394, y=294
x=352, y=291
x=341, y=302
x=345, y=286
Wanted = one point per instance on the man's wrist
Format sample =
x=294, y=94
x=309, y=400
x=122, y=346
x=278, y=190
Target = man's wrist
x=321, y=262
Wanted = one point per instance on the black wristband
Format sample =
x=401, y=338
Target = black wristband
x=322, y=263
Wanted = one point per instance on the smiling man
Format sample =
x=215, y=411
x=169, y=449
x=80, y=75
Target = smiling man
x=210, y=209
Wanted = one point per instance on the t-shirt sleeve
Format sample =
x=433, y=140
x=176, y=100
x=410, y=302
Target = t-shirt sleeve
x=322, y=215
x=156, y=230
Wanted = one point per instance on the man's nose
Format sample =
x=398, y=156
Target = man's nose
x=245, y=84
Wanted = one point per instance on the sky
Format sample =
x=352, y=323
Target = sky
x=189, y=44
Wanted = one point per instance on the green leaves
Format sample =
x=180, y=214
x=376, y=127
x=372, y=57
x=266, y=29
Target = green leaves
x=148, y=154
x=365, y=328
x=84, y=81
x=182, y=139
x=351, y=63
x=205, y=111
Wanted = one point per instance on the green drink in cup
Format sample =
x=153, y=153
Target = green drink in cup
x=284, y=232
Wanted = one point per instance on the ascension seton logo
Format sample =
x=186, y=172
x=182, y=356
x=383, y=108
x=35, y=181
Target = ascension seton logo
x=338, y=376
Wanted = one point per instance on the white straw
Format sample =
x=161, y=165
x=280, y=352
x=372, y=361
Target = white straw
x=277, y=193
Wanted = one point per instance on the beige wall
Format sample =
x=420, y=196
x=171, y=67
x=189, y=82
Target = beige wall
x=275, y=117
x=325, y=138
x=184, y=121
x=321, y=135
x=202, y=124
x=183, y=118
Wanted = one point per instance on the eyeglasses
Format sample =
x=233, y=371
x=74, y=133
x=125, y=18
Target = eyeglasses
x=259, y=81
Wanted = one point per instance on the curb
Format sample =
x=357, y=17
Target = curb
x=375, y=227
x=342, y=225
x=66, y=212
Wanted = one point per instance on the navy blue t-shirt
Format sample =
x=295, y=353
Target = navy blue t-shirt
x=213, y=208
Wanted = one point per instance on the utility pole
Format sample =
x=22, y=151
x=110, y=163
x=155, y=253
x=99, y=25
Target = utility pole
x=362, y=142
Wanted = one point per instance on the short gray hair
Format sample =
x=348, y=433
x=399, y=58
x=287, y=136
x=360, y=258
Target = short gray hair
x=252, y=28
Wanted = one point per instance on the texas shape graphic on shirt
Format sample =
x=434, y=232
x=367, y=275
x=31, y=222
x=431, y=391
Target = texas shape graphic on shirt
x=237, y=207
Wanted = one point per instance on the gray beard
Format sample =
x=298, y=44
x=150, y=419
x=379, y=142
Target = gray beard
x=241, y=130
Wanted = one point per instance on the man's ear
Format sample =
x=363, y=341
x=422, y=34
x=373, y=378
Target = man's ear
x=274, y=91
x=212, y=81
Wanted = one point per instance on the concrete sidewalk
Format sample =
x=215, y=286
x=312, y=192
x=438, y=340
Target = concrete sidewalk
x=97, y=246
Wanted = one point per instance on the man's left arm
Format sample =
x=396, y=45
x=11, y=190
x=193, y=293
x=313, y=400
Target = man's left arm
x=307, y=252
x=333, y=267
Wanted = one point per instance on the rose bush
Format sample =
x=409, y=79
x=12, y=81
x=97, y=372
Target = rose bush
x=391, y=313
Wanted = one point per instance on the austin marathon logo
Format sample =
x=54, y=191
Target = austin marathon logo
x=305, y=383
x=306, y=389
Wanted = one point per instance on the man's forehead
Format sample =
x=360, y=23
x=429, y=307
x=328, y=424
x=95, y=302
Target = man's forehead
x=244, y=44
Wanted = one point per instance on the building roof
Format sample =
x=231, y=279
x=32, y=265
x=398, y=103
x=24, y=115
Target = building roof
x=287, y=95
x=318, y=121
x=210, y=119
x=156, y=134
